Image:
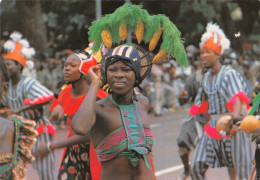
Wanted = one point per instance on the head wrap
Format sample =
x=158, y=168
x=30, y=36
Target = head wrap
x=87, y=60
x=129, y=56
x=18, y=49
x=214, y=39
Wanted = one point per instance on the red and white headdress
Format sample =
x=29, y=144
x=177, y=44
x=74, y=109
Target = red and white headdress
x=18, y=49
x=214, y=39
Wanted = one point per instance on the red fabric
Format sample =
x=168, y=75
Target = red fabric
x=54, y=104
x=86, y=64
x=70, y=107
x=69, y=104
x=202, y=109
x=101, y=93
x=51, y=129
x=213, y=133
x=39, y=100
x=243, y=98
x=95, y=165
x=40, y=129
x=154, y=176
x=194, y=110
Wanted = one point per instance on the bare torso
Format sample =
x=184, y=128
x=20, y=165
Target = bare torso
x=108, y=119
x=121, y=169
x=6, y=135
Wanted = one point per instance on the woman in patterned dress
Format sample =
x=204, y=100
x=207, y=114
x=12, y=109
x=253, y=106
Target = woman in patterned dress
x=76, y=162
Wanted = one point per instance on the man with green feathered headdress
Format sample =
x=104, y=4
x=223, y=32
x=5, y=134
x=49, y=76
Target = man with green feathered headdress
x=118, y=124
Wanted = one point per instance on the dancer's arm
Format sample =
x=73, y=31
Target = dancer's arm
x=45, y=149
x=84, y=119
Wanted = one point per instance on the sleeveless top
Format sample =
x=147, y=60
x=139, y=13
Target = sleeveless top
x=133, y=139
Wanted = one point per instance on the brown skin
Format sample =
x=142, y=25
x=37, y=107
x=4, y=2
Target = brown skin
x=103, y=117
x=14, y=71
x=6, y=131
x=71, y=73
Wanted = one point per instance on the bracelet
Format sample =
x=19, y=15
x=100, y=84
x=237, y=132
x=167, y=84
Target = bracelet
x=48, y=146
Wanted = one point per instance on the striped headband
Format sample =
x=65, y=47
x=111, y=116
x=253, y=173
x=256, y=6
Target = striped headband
x=129, y=56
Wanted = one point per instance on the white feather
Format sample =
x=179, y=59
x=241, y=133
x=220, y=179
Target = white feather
x=28, y=52
x=205, y=37
x=29, y=65
x=213, y=30
x=16, y=36
x=9, y=45
x=225, y=44
x=215, y=38
x=25, y=43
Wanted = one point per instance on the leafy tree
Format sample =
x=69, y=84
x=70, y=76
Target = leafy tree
x=54, y=25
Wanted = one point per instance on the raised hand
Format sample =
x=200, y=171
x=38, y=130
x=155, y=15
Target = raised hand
x=94, y=74
x=43, y=150
x=256, y=135
x=57, y=113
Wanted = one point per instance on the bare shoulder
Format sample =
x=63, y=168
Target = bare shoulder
x=142, y=99
x=103, y=106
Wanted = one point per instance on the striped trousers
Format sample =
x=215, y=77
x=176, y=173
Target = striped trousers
x=234, y=152
x=45, y=166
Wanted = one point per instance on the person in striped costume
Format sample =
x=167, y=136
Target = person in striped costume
x=226, y=92
x=26, y=97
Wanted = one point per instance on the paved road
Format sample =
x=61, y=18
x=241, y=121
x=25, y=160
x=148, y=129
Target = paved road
x=166, y=159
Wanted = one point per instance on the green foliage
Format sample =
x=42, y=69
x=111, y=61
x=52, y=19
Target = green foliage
x=193, y=18
x=7, y=6
x=130, y=14
x=68, y=21
x=50, y=19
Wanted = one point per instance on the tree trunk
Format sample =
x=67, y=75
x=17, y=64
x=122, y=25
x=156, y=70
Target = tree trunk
x=40, y=31
x=32, y=26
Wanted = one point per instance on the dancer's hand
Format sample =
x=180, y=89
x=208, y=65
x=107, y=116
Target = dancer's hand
x=57, y=113
x=234, y=130
x=43, y=150
x=256, y=135
x=94, y=74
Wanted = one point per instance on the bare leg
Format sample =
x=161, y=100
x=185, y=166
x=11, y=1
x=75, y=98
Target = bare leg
x=185, y=162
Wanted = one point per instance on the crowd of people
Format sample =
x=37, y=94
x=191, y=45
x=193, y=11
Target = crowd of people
x=109, y=128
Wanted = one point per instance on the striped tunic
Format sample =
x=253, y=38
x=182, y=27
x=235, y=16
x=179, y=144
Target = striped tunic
x=234, y=151
x=31, y=88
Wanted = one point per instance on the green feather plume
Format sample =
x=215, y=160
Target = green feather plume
x=256, y=100
x=130, y=14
